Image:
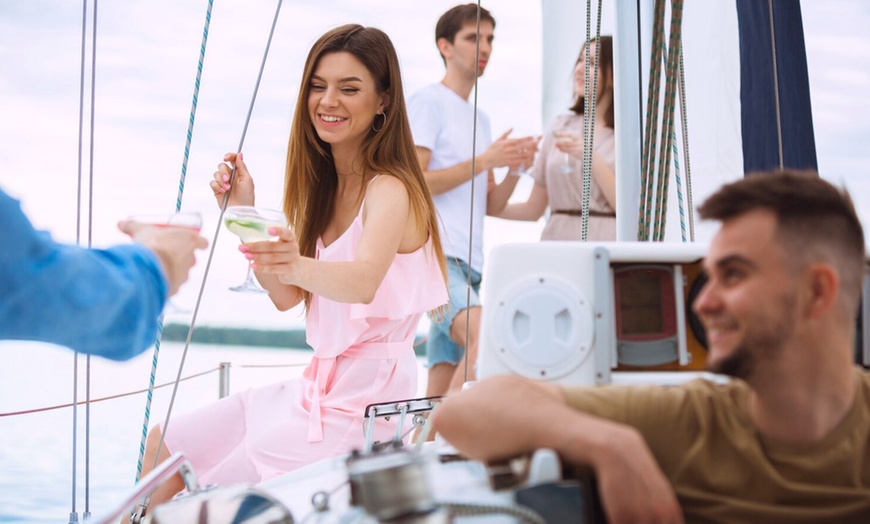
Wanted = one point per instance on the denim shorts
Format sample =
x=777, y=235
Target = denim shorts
x=440, y=348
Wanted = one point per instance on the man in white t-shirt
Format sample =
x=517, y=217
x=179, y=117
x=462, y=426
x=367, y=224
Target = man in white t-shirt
x=444, y=123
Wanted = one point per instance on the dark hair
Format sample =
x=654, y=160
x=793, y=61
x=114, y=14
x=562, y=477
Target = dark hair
x=815, y=220
x=310, y=179
x=452, y=21
x=604, y=48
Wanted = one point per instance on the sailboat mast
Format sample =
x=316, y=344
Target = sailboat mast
x=631, y=42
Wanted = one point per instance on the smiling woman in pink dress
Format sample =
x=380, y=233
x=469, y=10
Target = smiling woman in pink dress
x=363, y=254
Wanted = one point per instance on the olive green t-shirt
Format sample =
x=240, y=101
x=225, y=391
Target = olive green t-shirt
x=724, y=470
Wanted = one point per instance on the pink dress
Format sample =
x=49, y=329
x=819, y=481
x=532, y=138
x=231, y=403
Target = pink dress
x=565, y=190
x=363, y=354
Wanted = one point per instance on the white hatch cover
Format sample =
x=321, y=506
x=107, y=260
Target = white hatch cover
x=545, y=327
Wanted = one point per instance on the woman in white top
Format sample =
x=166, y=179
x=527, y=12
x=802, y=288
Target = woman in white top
x=559, y=178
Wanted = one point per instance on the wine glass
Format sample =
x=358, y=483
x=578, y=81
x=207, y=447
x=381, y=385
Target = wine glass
x=526, y=169
x=188, y=219
x=566, y=166
x=252, y=224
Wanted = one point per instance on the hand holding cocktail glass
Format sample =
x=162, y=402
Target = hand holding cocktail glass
x=251, y=224
x=568, y=144
x=527, y=148
x=173, y=237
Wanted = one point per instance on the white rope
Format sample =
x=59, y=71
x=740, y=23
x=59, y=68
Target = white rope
x=775, y=83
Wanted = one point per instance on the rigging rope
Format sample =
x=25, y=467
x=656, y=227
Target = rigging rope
x=590, y=94
x=214, y=240
x=87, y=513
x=674, y=46
x=191, y=120
x=680, y=203
x=650, y=175
x=775, y=83
x=73, y=513
x=684, y=117
x=103, y=399
x=473, y=176
x=651, y=128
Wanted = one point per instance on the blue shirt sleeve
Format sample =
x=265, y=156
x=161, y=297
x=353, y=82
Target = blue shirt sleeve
x=99, y=301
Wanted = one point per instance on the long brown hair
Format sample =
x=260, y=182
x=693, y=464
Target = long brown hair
x=311, y=181
x=604, y=48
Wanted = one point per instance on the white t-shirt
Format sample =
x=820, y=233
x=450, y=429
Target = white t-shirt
x=443, y=122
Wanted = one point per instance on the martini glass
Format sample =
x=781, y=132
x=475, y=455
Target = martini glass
x=252, y=224
x=190, y=220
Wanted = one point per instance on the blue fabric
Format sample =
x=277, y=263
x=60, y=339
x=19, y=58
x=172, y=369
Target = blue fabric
x=102, y=302
x=440, y=348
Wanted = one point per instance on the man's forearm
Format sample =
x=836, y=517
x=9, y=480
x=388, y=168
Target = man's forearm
x=497, y=198
x=443, y=180
x=504, y=417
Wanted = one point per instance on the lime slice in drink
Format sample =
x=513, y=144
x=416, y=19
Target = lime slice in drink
x=248, y=230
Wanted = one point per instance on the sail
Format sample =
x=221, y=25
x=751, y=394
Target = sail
x=731, y=110
x=777, y=121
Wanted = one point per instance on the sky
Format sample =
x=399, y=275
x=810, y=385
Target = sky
x=147, y=52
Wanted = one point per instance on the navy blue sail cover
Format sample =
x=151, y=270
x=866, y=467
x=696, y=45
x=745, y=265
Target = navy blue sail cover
x=757, y=88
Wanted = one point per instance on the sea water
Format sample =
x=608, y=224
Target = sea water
x=36, y=449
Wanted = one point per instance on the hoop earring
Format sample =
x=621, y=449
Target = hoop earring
x=383, y=122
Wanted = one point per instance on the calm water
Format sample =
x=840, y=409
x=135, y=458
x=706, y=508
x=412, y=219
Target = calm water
x=36, y=450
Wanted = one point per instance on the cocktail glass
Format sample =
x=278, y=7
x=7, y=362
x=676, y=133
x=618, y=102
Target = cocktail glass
x=188, y=219
x=252, y=224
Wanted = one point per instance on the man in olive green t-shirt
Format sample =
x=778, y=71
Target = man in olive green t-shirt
x=787, y=440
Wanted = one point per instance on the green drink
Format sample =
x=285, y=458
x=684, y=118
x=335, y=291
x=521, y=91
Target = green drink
x=252, y=224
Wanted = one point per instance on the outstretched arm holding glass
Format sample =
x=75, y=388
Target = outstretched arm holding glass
x=99, y=301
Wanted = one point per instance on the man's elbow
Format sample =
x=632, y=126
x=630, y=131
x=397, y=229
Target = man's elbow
x=455, y=418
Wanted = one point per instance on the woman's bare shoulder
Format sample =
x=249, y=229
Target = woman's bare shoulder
x=386, y=189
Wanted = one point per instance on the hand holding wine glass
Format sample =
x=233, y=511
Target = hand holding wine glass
x=527, y=148
x=173, y=237
x=564, y=142
x=252, y=224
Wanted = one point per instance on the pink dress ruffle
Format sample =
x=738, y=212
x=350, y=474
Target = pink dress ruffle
x=363, y=354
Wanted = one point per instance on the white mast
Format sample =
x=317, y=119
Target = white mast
x=628, y=91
